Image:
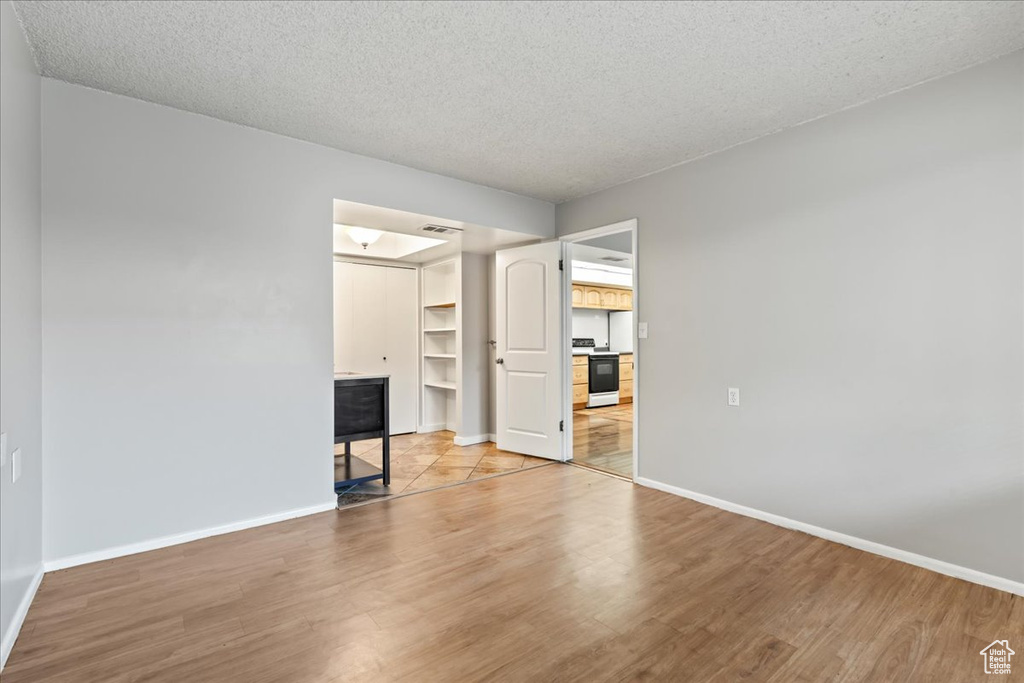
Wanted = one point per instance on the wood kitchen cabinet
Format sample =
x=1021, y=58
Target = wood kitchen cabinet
x=579, y=374
x=577, y=296
x=625, y=378
x=591, y=297
x=580, y=381
x=605, y=298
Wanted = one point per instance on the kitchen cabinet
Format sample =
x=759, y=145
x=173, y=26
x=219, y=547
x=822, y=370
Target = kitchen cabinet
x=609, y=298
x=579, y=374
x=625, y=368
x=626, y=378
x=577, y=296
x=580, y=381
x=605, y=298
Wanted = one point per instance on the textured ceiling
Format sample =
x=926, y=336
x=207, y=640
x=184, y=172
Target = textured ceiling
x=550, y=99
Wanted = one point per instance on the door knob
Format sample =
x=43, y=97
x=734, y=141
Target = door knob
x=500, y=361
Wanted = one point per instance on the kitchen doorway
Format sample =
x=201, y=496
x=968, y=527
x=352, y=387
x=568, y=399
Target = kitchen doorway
x=603, y=355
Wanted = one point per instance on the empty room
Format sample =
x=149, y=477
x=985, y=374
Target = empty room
x=511, y=341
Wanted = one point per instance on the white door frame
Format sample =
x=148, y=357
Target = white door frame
x=611, y=229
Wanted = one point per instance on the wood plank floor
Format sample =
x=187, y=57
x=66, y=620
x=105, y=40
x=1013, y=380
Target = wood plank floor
x=602, y=438
x=554, y=573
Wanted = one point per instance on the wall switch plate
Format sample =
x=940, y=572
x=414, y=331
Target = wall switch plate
x=3, y=450
x=641, y=330
x=15, y=465
x=734, y=396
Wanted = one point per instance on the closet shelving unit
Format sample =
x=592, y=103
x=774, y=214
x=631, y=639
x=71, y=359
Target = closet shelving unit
x=441, y=340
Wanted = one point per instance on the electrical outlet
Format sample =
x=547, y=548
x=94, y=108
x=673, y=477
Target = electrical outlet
x=15, y=465
x=734, y=396
x=3, y=450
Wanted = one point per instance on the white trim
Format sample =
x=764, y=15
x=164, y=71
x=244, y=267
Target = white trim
x=471, y=440
x=19, y=617
x=177, y=539
x=940, y=566
x=427, y=429
x=610, y=229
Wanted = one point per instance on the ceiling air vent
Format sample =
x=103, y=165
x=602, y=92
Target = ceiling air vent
x=614, y=259
x=440, y=229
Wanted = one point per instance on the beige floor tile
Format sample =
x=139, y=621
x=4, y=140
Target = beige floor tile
x=403, y=470
x=440, y=477
x=475, y=449
x=458, y=459
x=481, y=472
x=417, y=458
x=502, y=460
x=436, y=448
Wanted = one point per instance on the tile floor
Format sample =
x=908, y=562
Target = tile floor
x=602, y=438
x=426, y=461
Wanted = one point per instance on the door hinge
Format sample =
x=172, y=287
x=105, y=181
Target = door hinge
x=561, y=264
x=561, y=425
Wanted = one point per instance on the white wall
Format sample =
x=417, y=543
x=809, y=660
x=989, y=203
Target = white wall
x=590, y=323
x=860, y=279
x=187, y=313
x=20, y=328
x=474, y=400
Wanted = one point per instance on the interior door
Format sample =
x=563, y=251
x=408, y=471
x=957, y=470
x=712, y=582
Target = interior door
x=400, y=340
x=369, y=305
x=528, y=305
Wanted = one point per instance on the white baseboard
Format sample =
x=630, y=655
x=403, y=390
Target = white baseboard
x=177, y=539
x=470, y=440
x=427, y=429
x=7, y=644
x=940, y=566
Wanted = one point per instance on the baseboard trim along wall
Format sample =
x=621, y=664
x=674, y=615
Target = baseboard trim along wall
x=956, y=571
x=19, y=618
x=427, y=429
x=178, y=539
x=470, y=440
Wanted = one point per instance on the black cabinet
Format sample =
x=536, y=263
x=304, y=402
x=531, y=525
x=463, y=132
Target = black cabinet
x=361, y=412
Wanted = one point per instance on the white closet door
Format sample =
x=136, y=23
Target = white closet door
x=368, y=333
x=402, y=347
x=344, y=353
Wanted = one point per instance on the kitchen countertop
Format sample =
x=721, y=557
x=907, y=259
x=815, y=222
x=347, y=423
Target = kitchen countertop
x=356, y=375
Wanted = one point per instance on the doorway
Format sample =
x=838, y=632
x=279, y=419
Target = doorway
x=603, y=355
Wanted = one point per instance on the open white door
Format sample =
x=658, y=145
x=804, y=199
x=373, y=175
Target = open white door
x=529, y=350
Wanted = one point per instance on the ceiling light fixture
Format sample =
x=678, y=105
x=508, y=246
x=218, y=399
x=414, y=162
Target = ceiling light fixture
x=363, y=236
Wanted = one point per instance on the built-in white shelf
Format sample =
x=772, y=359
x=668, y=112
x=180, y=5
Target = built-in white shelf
x=438, y=384
x=446, y=356
x=439, y=330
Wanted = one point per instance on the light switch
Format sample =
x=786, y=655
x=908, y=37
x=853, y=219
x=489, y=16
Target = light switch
x=641, y=330
x=734, y=396
x=3, y=450
x=15, y=465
